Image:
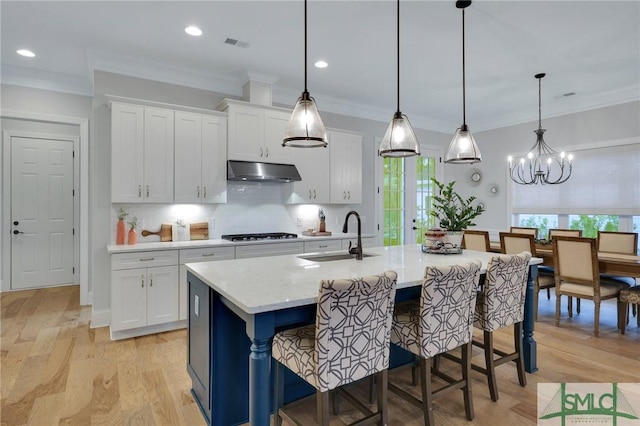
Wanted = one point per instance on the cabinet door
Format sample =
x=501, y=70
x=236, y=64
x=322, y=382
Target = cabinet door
x=314, y=168
x=127, y=149
x=162, y=295
x=188, y=157
x=214, y=159
x=128, y=299
x=158, y=155
x=246, y=133
x=275, y=125
x=346, y=167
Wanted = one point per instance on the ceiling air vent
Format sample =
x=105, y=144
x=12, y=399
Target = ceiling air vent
x=237, y=43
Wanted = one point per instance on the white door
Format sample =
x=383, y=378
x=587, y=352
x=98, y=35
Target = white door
x=406, y=189
x=41, y=212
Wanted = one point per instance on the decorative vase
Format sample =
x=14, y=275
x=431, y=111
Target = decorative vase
x=132, y=238
x=455, y=238
x=120, y=232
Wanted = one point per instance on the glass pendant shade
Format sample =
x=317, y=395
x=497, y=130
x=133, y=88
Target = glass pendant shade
x=399, y=139
x=305, y=128
x=463, y=148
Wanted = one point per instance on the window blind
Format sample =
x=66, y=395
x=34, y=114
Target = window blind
x=605, y=180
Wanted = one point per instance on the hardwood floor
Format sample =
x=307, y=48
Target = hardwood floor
x=56, y=370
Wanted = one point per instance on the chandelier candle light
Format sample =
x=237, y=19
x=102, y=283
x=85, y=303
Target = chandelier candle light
x=399, y=140
x=305, y=128
x=463, y=148
x=542, y=164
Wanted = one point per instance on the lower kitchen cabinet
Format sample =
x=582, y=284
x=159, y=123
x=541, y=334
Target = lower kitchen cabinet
x=320, y=246
x=260, y=250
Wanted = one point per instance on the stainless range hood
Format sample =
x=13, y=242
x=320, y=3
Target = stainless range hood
x=261, y=172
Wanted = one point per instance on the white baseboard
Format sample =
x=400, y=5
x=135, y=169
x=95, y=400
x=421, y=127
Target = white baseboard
x=100, y=318
x=152, y=329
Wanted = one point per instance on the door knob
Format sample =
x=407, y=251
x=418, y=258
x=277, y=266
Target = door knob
x=16, y=232
x=16, y=223
x=414, y=228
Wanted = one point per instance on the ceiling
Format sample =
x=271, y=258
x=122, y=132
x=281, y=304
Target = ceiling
x=590, y=48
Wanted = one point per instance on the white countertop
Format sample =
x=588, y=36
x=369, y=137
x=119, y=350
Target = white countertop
x=266, y=284
x=176, y=245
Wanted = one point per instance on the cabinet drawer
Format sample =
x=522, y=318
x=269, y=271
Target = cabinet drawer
x=206, y=254
x=366, y=242
x=144, y=259
x=326, y=245
x=275, y=249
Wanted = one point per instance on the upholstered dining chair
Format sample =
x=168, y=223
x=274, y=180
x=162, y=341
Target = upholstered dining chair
x=349, y=341
x=514, y=243
x=548, y=270
x=441, y=321
x=577, y=274
x=524, y=230
x=564, y=233
x=476, y=240
x=500, y=304
x=618, y=242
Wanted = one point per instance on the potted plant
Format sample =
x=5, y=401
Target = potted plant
x=454, y=213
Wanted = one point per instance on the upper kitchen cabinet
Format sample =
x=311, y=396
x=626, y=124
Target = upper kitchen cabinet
x=200, y=158
x=314, y=168
x=142, y=141
x=346, y=167
x=255, y=133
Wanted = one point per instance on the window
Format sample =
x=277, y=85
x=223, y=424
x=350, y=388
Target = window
x=592, y=223
x=543, y=222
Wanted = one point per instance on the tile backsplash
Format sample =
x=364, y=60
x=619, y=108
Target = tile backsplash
x=251, y=207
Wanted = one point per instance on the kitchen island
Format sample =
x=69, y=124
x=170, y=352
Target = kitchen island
x=236, y=306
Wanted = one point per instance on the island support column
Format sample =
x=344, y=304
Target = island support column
x=529, y=345
x=260, y=329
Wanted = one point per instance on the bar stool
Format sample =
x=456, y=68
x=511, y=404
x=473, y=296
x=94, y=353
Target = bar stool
x=349, y=341
x=626, y=296
x=441, y=321
x=500, y=304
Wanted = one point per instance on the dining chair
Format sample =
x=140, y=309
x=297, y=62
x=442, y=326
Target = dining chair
x=514, y=243
x=421, y=328
x=618, y=242
x=349, y=341
x=476, y=240
x=523, y=230
x=577, y=274
x=500, y=304
x=564, y=233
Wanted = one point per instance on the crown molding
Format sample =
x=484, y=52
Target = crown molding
x=45, y=80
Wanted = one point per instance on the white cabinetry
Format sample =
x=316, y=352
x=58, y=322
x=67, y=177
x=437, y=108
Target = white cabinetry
x=256, y=133
x=366, y=242
x=346, y=167
x=320, y=246
x=314, y=169
x=275, y=249
x=141, y=154
x=200, y=158
x=207, y=254
x=144, y=291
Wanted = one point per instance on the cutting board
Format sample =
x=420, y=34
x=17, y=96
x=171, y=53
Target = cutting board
x=199, y=231
x=164, y=232
x=316, y=234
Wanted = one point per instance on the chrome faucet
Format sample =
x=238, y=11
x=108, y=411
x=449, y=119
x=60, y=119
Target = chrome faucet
x=357, y=250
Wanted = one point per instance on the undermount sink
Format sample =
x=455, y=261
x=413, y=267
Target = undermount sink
x=329, y=257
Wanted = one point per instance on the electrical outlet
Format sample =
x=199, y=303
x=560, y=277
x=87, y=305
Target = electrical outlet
x=299, y=221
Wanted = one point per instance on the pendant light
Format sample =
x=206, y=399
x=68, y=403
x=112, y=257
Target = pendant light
x=463, y=148
x=542, y=165
x=399, y=139
x=305, y=128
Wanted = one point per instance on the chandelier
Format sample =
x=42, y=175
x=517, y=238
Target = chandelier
x=542, y=165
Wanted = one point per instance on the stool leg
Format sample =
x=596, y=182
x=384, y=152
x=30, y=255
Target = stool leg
x=278, y=398
x=517, y=342
x=427, y=390
x=623, y=315
x=382, y=380
x=577, y=305
x=466, y=376
x=490, y=365
x=322, y=401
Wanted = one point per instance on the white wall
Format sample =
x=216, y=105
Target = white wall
x=563, y=132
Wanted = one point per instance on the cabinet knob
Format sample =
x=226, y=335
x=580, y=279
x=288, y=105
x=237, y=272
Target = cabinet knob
x=150, y=280
x=147, y=191
x=142, y=281
x=198, y=191
x=267, y=151
x=348, y=195
x=314, y=194
x=261, y=152
x=204, y=194
x=139, y=191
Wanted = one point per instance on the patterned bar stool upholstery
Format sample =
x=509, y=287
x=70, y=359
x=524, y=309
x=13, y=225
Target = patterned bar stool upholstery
x=440, y=322
x=349, y=341
x=627, y=295
x=501, y=304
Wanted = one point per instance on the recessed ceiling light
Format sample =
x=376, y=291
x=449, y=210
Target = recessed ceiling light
x=193, y=31
x=321, y=64
x=25, y=52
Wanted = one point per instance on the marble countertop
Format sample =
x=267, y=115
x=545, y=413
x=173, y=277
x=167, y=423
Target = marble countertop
x=176, y=245
x=266, y=284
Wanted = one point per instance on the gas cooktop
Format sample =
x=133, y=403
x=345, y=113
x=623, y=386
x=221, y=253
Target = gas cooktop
x=259, y=236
